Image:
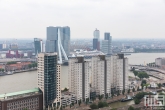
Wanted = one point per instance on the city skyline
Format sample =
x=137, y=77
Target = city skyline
x=123, y=19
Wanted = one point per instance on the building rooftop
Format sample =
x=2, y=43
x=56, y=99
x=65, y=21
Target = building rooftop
x=18, y=94
x=86, y=53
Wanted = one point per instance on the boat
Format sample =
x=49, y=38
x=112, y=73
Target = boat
x=128, y=50
x=10, y=72
x=127, y=54
x=128, y=98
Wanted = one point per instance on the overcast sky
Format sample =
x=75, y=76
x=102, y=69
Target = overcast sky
x=122, y=18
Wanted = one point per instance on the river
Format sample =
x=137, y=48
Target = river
x=28, y=80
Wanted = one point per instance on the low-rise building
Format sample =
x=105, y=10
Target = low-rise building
x=28, y=99
x=68, y=98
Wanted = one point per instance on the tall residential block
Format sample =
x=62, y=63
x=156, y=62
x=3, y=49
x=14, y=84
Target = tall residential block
x=49, y=79
x=96, y=40
x=119, y=79
x=89, y=68
x=101, y=79
x=106, y=46
x=38, y=45
x=78, y=77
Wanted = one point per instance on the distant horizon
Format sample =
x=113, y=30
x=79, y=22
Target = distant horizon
x=86, y=38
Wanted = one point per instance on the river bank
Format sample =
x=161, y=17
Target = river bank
x=17, y=71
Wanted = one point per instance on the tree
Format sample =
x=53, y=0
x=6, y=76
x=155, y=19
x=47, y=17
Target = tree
x=118, y=93
x=65, y=89
x=144, y=82
x=142, y=75
x=70, y=105
x=137, y=101
x=100, y=97
x=138, y=89
x=135, y=73
x=112, y=93
x=159, y=85
x=30, y=66
x=106, y=95
x=128, y=91
x=102, y=104
x=79, y=102
x=133, y=89
x=123, y=91
x=131, y=108
x=93, y=106
x=87, y=100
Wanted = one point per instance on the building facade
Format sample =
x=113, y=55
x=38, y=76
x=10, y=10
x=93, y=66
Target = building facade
x=78, y=77
x=106, y=45
x=119, y=76
x=101, y=79
x=29, y=99
x=160, y=61
x=49, y=78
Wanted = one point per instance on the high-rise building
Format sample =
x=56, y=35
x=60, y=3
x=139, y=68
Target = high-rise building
x=101, y=81
x=95, y=44
x=103, y=72
x=38, y=45
x=96, y=40
x=119, y=77
x=106, y=45
x=49, y=78
x=86, y=68
x=58, y=40
x=78, y=77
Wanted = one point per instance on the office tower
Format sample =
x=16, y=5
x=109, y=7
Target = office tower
x=38, y=45
x=66, y=39
x=58, y=40
x=78, y=77
x=106, y=46
x=49, y=78
x=119, y=79
x=96, y=40
x=95, y=44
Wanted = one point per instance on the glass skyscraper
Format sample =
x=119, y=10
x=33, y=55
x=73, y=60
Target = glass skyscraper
x=38, y=45
x=48, y=77
x=52, y=39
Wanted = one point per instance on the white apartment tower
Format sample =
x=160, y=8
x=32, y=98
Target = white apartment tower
x=119, y=76
x=78, y=77
x=101, y=74
x=49, y=79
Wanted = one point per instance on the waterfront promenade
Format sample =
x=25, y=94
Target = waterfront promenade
x=83, y=106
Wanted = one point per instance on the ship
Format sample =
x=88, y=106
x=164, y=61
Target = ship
x=129, y=50
x=127, y=98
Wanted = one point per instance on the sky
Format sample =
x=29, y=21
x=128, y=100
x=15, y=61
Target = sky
x=122, y=18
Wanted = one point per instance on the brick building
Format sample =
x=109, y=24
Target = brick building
x=29, y=99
